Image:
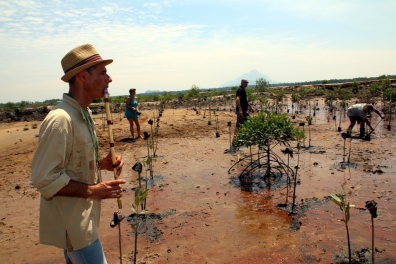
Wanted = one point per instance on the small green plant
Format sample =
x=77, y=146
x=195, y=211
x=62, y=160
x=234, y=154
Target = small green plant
x=265, y=130
x=340, y=200
x=309, y=120
x=295, y=100
x=140, y=197
x=375, y=90
x=299, y=135
x=149, y=163
x=262, y=85
x=355, y=87
x=372, y=207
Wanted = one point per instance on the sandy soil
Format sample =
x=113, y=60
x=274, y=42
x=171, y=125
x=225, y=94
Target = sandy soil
x=199, y=213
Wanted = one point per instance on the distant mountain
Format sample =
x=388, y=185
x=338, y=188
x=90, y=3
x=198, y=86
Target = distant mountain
x=250, y=76
x=152, y=91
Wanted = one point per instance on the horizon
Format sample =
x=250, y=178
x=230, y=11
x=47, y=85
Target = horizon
x=203, y=88
x=172, y=45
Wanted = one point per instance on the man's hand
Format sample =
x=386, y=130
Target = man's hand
x=106, y=163
x=106, y=190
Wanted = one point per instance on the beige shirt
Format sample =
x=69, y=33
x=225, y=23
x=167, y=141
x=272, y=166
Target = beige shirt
x=66, y=151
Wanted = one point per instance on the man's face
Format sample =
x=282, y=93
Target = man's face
x=244, y=83
x=98, y=81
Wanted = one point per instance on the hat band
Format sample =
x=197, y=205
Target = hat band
x=93, y=58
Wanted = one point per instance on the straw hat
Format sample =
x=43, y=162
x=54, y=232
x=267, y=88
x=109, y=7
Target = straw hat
x=79, y=59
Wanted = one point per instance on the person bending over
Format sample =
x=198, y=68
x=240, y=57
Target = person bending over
x=358, y=113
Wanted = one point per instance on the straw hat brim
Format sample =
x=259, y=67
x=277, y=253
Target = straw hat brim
x=73, y=72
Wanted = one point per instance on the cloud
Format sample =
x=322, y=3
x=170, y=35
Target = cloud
x=152, y=50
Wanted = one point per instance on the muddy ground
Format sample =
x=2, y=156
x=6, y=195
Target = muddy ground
x=200, y=213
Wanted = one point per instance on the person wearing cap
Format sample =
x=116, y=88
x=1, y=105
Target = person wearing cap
x=358, y=113
x=242, y=107
x=132, y=113
x=242, y=104
x=66, y=165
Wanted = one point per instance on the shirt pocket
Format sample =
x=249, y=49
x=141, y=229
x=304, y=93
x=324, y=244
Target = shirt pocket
x=81, y=156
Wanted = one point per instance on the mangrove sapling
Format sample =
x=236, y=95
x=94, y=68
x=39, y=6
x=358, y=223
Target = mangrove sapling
x=149, y=159
x=303, y=125
x=152, y=143
x=217, y=126
x=390, y=116
x=335, y=119
x=372, y=207
x=341, y=201
x=344, y=136
x=229, y=132
x=264, y=130
x=289, y=153
x=140, y=198
x=117, y=218
x=138, y=168
x=389, y=95
x=210, y=117
x=350, y=150
x=309, y=120
x=295, y=100
x=343, y=104
x=298, y=136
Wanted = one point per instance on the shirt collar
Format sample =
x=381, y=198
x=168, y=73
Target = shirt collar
x=68, y=99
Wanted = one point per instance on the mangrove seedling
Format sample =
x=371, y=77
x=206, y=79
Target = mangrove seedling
x=309, y=120
x=117, y=218
x=299, y=134
x=289, y=153
x=340, y=200
x=344, y=136
x=140, y=198
x=217, y=126
x=303, y=125
x=295, y=100
x=372, y=207
x=264, y=130
x=229, y=131
x=149, y=146
x=138, y=168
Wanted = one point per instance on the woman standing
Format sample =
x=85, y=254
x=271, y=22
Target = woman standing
x=132, y=112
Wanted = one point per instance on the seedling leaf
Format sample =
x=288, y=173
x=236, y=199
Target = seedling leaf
x=347, y=214
x=336, y=200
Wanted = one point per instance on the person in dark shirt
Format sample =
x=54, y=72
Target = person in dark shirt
x=242, y=107
x=242, y=104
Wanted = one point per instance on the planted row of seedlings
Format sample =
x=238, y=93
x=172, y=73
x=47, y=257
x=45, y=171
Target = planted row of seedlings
x=137, y=220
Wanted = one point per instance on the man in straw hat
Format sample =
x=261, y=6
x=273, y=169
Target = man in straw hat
x=66, y=166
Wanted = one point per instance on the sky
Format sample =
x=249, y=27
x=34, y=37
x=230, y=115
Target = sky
x=173, y=45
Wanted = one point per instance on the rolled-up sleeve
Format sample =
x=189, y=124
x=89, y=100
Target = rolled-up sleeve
x=50, y=160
